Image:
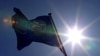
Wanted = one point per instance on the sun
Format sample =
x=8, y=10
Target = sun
x=74, y=35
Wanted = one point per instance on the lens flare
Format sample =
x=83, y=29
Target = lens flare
x=13, y=21
x=5, y=20
x=74, y=35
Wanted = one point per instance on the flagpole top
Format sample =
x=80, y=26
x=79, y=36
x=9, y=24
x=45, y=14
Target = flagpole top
x=49, y=14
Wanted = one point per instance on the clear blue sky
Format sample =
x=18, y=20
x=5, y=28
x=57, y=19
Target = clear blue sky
x=86, y=10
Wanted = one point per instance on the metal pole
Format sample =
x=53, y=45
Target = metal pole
x=58, y=37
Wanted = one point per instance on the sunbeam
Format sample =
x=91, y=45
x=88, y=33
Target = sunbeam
x=90, y=24
x=83, y=49
x=75, y=35
x=72, y=50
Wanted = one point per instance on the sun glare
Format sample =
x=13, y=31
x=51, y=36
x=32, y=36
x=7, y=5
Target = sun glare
x=74, y=35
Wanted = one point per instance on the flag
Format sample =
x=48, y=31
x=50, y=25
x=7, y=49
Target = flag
x=41, y=29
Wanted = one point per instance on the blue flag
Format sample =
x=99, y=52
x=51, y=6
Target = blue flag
x=41, y=29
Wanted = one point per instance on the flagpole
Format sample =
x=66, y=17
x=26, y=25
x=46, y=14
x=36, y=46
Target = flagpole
x=58, y=37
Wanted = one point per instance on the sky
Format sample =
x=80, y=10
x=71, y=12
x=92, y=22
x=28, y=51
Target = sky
x=64, y=12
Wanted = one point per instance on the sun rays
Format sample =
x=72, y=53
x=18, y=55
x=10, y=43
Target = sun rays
x=77, y=32
x=75, y=36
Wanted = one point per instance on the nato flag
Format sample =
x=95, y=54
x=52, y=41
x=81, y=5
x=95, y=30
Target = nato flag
x=39, y=29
